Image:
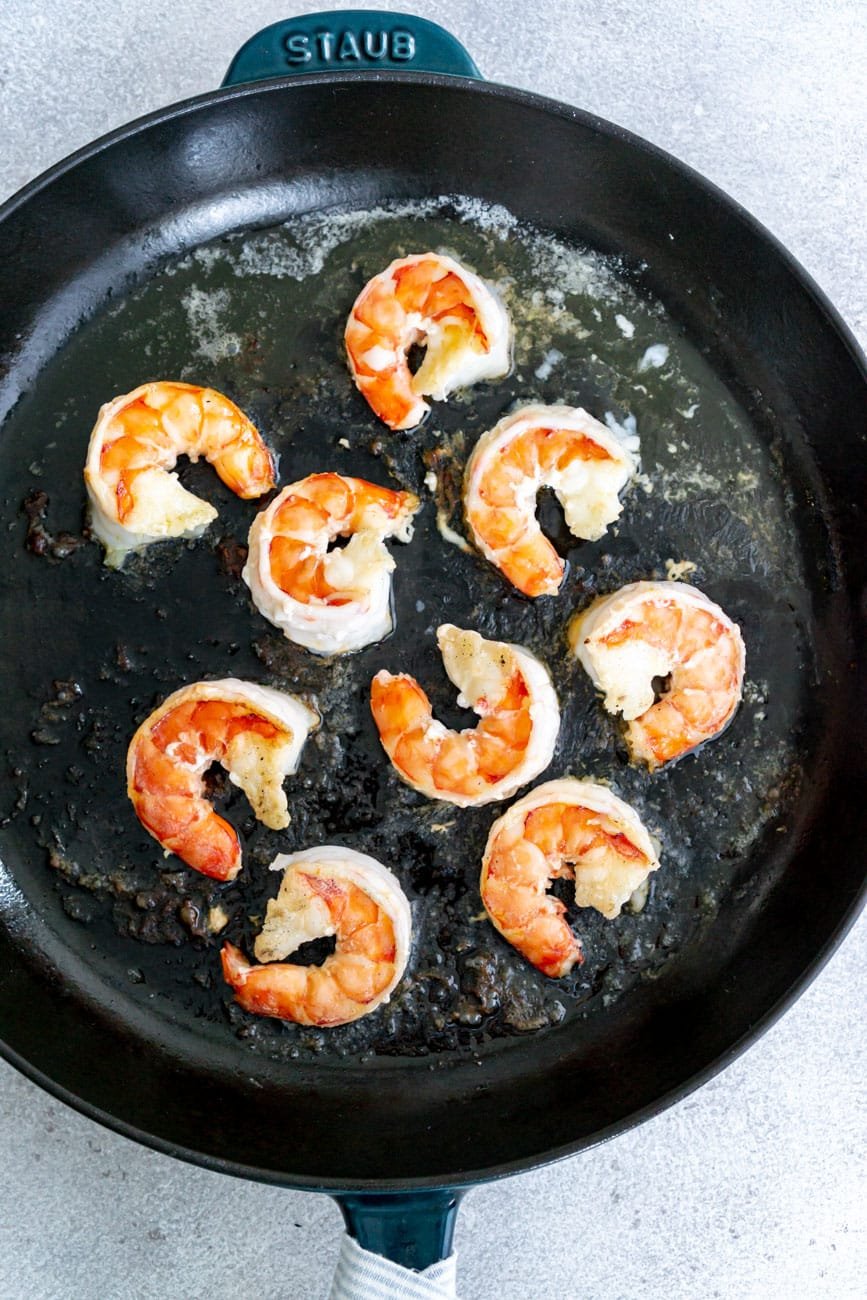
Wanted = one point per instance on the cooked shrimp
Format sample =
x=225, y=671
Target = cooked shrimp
x=328, y=601
x=429, y=299
x=511, y=691
x=135, y=443
x=668, y=630
x=254, y=732
x=326, y=891
x=566, y=828
x=560, y=447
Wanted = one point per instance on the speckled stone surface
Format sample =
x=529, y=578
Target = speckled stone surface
x=752, y=1187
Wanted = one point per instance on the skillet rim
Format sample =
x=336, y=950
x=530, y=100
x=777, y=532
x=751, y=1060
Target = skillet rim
x=845, y=335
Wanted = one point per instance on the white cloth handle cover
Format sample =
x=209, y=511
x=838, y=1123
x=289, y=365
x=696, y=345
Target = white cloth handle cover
x=361, y=1275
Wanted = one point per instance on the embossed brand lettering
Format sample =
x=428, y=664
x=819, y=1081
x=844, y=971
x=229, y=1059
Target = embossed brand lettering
x=298, y=49
x=350, y=47
x=402, y=46
x=380, y=49
x=325, y=41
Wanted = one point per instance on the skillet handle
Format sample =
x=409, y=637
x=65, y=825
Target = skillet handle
x=347, y=40
x=414, y=1229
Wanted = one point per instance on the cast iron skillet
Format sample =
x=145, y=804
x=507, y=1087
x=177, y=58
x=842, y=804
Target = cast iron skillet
x=393, y=1139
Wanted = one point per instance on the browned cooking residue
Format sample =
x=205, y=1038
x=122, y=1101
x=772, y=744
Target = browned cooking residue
x=232, y=555
x=56, y=546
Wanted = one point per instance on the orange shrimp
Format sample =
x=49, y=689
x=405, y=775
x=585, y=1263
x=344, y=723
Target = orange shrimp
x=329, y=601
x=426, y=298
x=135, y=499
x=668, y=630
x=326, y=891
x=508, y=687
x=561, y=447
x=566, y=828
x=256, y=733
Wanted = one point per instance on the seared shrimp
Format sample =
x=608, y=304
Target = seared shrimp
x=254, y=732
x=429, y=299
x=511, y=691
x=560, y=447
x=566, y=828
x=135, y=443
x=328, y=601
x=668, y=630
x=326, y=891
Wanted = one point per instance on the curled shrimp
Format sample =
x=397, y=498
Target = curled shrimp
x=511, y=691
x=254, y=732
x=135, y=499
x=567, y=828
x=431, y=299
x=329, y=601
x=669, y=630
x=326, y=891
x=560, y=447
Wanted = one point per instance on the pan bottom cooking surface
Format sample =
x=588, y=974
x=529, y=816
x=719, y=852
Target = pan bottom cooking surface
x=260, y=317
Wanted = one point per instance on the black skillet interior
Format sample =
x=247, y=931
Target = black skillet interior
x=109, y=993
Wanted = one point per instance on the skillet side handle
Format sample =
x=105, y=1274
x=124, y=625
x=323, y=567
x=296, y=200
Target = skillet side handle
x=347, y=40
x=414, y=1229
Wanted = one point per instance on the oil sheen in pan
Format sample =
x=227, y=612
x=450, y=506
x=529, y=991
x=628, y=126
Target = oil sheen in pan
x=260, y=316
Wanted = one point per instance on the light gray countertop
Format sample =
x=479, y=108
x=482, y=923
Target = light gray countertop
x=753, y=1186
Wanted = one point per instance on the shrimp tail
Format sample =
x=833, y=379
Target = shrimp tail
x=236, y=968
